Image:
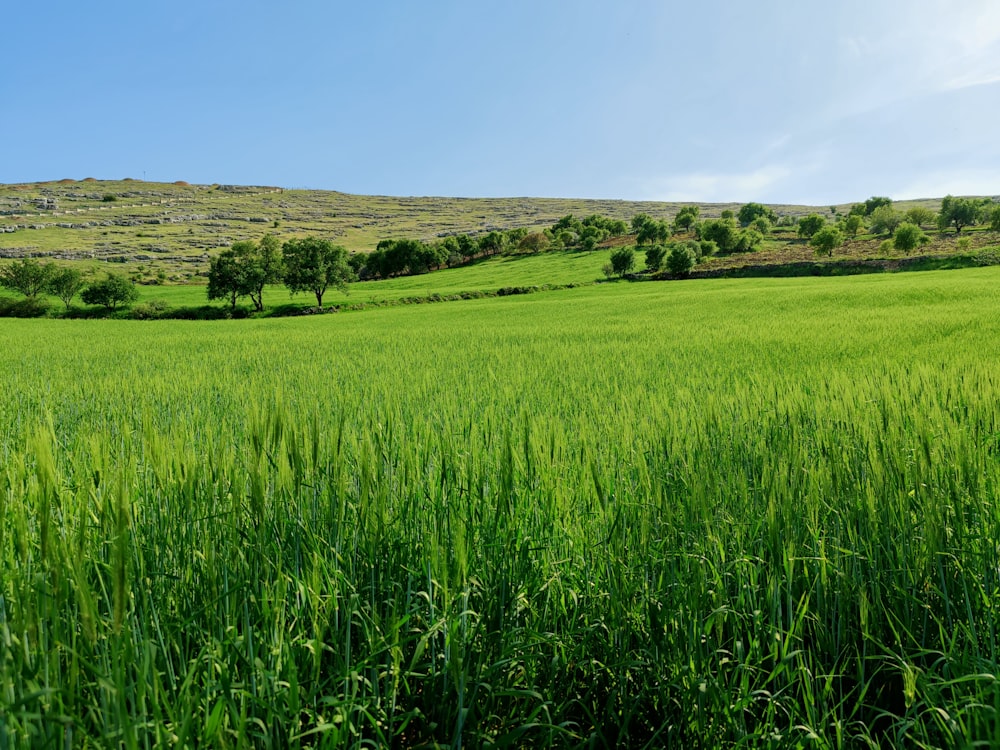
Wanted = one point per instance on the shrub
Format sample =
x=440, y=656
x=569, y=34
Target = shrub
x=681, y=260
x=654, y=257
x=909, y=236
x=110, y=292
x=623, y=260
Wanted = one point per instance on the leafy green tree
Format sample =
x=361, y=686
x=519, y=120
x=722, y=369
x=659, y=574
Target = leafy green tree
x=535, y=242
x=958, y=212
x=852, y=224
x=727, y=214
x=112, y=291
x=654, y=257
x=686, y=218
x=358, y=261
x=27, y=276
x=638, y=221
x=876, y=201
x=809, y=225
x=708, y=248
x=994, y=217
x=590, y=236
x=722, y=232
x=244, y=270
x=761, y=224
x=920, y=216
x=885, y=219
x=225, y=279
x=467, y=246
x=749, y=212
x=652, y=232
x=748, y=241
x=616, y=227
x=261, y=265
x=622, y=260
x=314, y=265
x=908, y=236
x=681, y=259
x=65, y=283
x=492, y=243
x=825, y=240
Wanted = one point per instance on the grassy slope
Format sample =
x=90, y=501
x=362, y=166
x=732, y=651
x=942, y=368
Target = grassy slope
x=193, y=221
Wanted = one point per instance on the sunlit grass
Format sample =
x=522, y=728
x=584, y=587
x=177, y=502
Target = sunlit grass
x=685, y=514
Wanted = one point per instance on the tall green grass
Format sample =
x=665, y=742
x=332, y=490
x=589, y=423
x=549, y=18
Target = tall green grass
x=758, y=513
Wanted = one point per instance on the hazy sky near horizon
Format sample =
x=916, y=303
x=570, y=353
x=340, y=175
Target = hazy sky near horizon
x=784, y=101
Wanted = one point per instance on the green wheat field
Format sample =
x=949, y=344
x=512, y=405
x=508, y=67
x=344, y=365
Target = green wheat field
x=716, y=513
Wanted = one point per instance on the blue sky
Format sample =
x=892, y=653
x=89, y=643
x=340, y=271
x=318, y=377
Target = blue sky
x=778, y=100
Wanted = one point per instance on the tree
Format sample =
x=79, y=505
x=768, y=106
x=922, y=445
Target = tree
x=314, y=265
x=652, y=232
x=492, y=243
x=244, y=270
x=686, y=218
x=920, y=215
x=852, y=224
x=994, y=217
x=876, y=201
x=111, y=291
x=535, y=242
x=681, y=259
x=637, y=222
x=957, y=212
x=654, y=257
x=749, y=212
x=591, y=235
x=225, y=280
x=826, y=239
x=27, y=276
x=65, y=283
x=909, y=236
x=885, y=219
x=809, y=225
x=622, y=260
x=761, y=224
x=467, y=247
x=748, y=241
x=722, y=232
x=261, y=265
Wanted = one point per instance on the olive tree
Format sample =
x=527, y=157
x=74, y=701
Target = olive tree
x=958, y=213
x=809, y=225
x=908, y=236
x=314, y=265
x=27, y=276
x=65, y=283
x=622, y=260
x=826, y=240
x=111, y=291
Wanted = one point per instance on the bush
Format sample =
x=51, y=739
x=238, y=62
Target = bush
x=154, y=308
x=909, y=236
x=109, y=198
x=28, y=307
x=654, y=257
x=681, y=260
x=623, y=260
x=110, y=292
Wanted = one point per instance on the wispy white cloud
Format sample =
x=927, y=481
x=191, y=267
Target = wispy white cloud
x=719, y=187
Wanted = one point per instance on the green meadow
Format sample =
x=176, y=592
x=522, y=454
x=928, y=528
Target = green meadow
x=711, y=513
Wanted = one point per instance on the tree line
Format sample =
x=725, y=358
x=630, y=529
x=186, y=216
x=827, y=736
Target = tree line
x=31, y=278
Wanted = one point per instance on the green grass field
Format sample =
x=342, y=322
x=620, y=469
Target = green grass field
x=756, y=513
